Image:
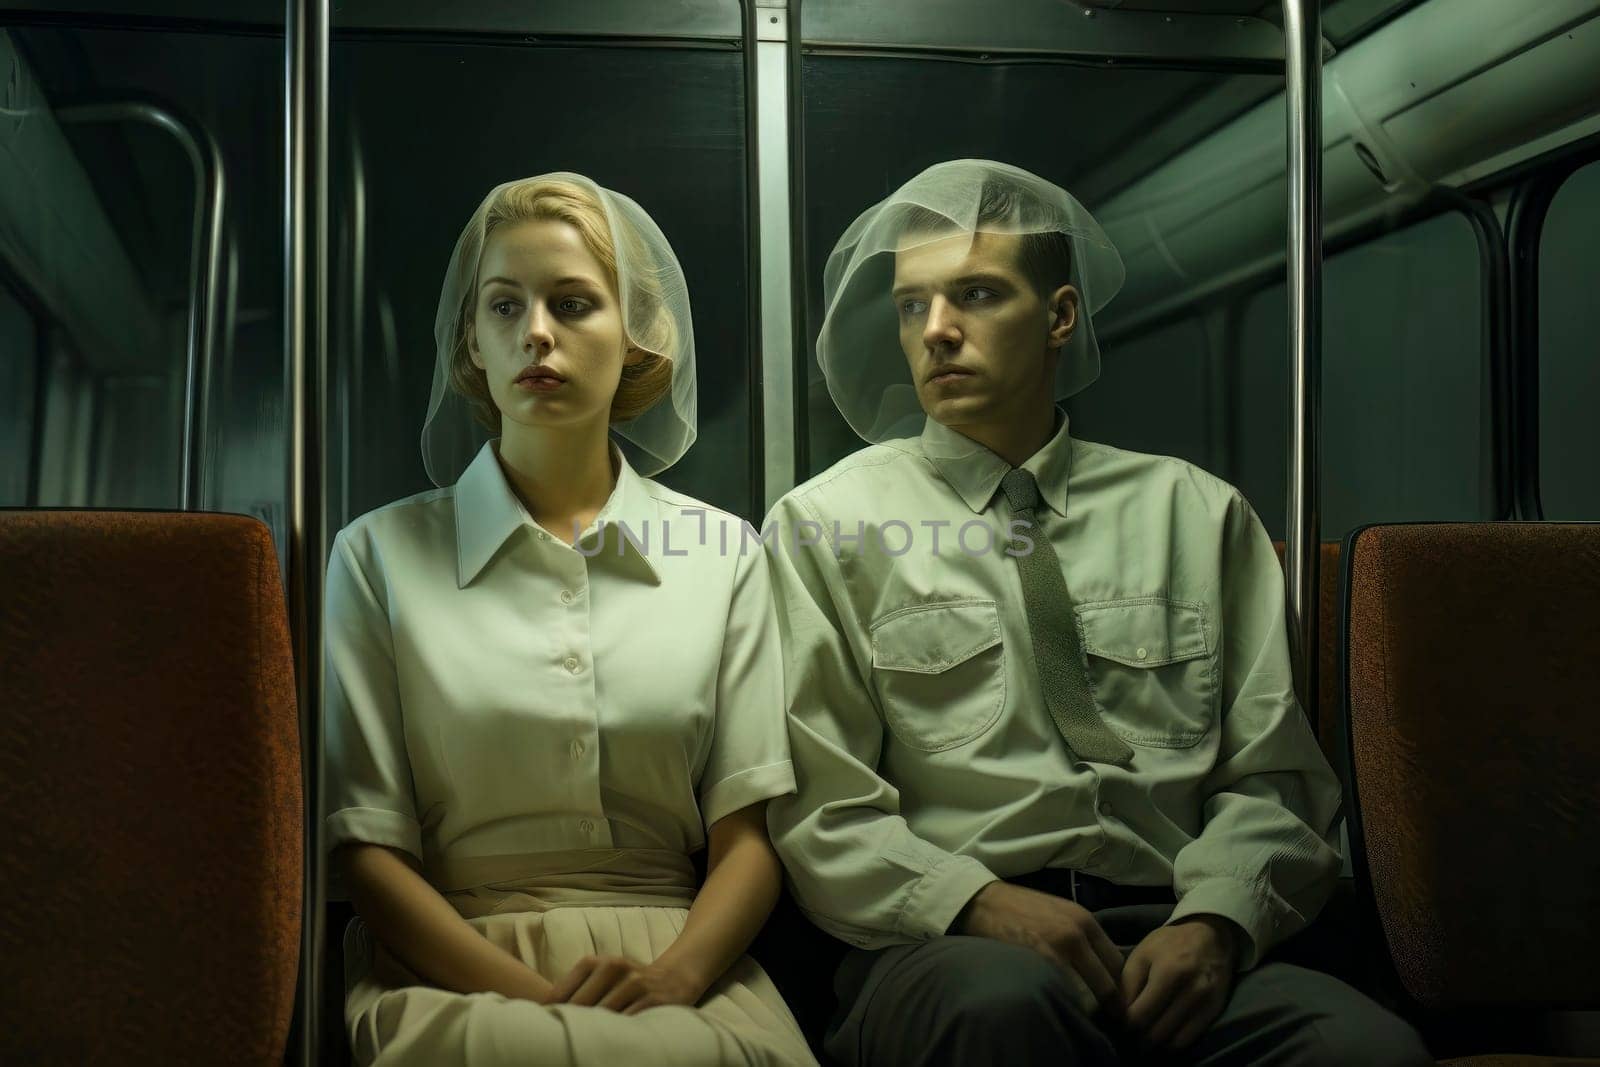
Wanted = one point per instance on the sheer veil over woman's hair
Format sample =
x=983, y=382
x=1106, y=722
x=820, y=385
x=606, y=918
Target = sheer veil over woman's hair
x=655, y=318
x=859, y=346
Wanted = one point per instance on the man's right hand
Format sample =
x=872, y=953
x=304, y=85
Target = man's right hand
x=1058, y=929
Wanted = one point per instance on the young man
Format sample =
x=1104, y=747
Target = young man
x=1054, y=784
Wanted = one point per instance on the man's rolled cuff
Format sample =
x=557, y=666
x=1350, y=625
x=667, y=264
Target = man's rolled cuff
x=1239, y=903
x=938, y=897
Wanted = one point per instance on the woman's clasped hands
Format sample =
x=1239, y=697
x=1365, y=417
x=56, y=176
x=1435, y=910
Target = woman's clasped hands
x=627, y=986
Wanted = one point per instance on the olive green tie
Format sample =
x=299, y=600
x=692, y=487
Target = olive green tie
x=1057, y=646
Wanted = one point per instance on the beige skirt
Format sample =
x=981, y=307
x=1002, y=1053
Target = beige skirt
x=629, y=903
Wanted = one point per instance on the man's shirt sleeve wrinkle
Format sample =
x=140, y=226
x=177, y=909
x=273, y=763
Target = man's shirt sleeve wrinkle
x=855, y=865
x=1267, y=857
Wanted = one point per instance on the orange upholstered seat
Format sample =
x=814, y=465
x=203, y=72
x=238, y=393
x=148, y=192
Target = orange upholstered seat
x=150, y=802
x=1503, y=1060
x=1473, y=679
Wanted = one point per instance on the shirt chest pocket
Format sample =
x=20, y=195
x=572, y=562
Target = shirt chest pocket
x=1152, y=666
x=940, y=672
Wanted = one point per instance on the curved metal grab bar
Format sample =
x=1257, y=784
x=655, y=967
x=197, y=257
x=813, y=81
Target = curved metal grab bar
x=205, y=264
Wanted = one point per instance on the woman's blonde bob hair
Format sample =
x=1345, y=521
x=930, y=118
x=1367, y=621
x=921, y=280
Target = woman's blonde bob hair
x=648, y=326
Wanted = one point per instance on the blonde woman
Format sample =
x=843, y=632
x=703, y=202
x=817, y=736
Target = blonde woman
x=553, y=680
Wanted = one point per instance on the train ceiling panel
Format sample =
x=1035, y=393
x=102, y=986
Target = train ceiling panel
x=647, y=19
x=1342, y=20
x=1183, y=36
x=1159, y=31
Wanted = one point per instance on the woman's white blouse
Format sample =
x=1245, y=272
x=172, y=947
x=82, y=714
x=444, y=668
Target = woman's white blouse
x=492, y=691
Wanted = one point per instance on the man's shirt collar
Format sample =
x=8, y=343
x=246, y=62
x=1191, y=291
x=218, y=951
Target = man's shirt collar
x=975, y=472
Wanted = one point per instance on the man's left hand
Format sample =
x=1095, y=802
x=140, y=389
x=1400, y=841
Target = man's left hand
x=1177, y=980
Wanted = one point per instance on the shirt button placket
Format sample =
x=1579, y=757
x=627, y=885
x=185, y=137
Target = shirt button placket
x=577, y=623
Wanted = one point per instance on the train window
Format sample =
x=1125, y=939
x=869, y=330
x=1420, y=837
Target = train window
x=1569, y=370
x=1405, y=408
x=133, y=139
x=423, y=129
x=19, y=374
x=1154, y=394
x=861, y=142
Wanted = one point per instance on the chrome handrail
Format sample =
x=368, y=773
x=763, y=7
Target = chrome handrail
x=205, y=266
x=1302, y=542
x=306, y=51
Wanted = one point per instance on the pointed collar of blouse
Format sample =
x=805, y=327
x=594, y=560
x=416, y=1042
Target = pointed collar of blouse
x=488, y=513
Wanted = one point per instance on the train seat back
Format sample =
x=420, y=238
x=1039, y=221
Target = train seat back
x=1473, y=675
x=150, y=790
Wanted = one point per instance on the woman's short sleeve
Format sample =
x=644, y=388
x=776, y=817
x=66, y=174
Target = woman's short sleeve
x=369, y=789
x=749, y=758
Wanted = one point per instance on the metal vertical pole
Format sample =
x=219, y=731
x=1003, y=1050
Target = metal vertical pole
x=306, y=342
x=773, y=237
x=1302, y=33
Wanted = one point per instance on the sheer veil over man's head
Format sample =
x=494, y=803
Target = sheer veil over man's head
x=859, y=347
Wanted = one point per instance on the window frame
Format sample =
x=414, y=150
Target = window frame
x=1533, y=189
x=1496, y=312
x=44, y=327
